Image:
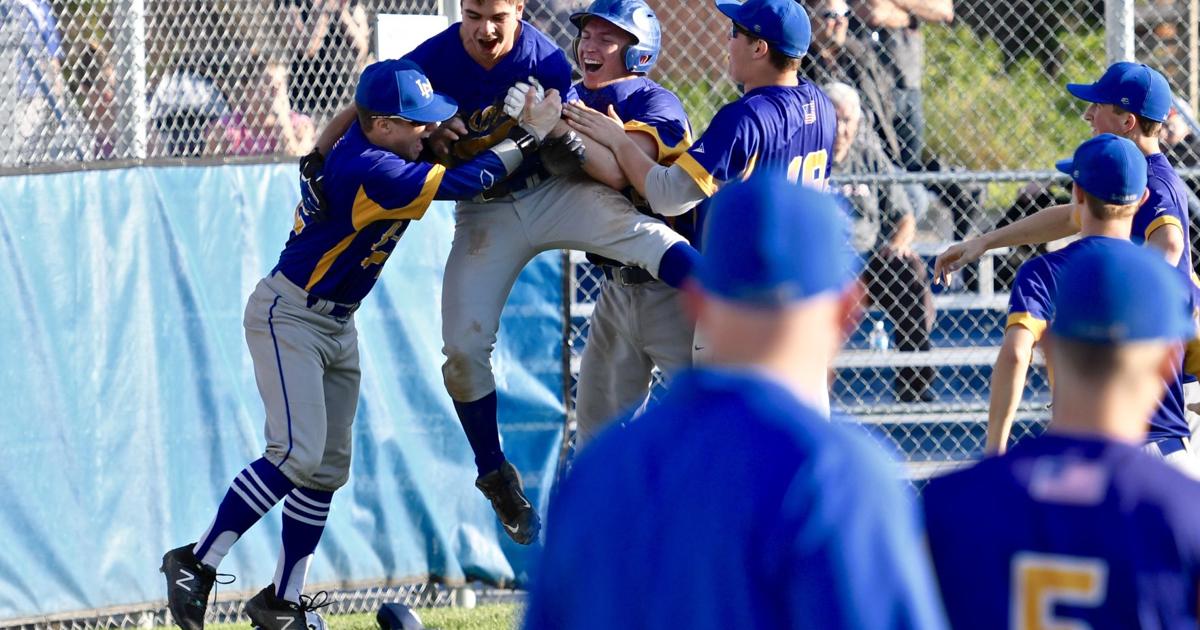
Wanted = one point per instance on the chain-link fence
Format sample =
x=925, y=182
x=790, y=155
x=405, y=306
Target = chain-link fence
x=953, y=115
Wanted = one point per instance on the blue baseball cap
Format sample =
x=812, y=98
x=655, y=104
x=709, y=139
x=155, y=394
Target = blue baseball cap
x=781, y=23
x=1134, y=87
x=1121, y=293
x=1108, y=167
x=397, y=87
x=769, y=242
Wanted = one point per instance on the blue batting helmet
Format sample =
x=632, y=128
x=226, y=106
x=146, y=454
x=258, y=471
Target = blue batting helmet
x=634, y=17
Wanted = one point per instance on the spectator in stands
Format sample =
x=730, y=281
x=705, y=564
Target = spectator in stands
x=836, y=57
x=94, y=81
x=40, y=123
x=896, y=278
x=893, y=26
x=261, y=121
x=182, y=106
x=334, y=46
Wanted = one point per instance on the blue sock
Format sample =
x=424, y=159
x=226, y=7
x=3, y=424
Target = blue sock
x=479, y=422
x=304, y=514
x=254, y=491
x=676, y=264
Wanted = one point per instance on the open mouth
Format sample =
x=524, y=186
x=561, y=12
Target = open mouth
x=592, y=65
x=489, y=44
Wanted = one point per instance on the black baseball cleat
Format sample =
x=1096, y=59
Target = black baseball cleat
x=267, y=611
x=503, y=488
x=189, y=582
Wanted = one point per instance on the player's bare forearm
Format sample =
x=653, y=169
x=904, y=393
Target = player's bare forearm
x=634, y=163
x=601, y=165
x=1008, y=383
x=1043, y=226
x=1168, y=239
x=335, y=129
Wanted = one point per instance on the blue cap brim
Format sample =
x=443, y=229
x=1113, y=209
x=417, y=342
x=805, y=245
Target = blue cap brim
x=438, y=110
x=1066, y=166
x=1088, y=92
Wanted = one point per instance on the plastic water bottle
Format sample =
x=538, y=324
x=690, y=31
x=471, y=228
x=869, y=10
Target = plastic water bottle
x=879, y=337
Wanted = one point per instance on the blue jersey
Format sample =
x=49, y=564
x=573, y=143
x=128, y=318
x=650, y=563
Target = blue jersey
x=774, y=127
x=1031, y=305
x=1166, y=205
x=373, y=194
x=731, y=504
x=649, y=108
x=480, y=93
x=1066, y=532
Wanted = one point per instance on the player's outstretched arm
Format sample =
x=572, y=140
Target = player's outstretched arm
x=1008, y=383
x=472, y=177
x=1046, y=225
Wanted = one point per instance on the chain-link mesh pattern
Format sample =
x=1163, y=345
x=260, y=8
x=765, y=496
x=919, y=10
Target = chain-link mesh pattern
x=228, y=608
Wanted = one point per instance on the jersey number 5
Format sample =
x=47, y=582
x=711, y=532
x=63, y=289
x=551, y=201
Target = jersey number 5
x=1040, y=582
x=809, y=169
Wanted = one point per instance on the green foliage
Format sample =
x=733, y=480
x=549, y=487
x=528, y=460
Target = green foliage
x=981, y=118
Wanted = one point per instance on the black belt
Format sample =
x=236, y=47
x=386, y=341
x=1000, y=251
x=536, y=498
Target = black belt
x=627, y=276
x=330, y=308
x=510, y=186
x=1170, y=445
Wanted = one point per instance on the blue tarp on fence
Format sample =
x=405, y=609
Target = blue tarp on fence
x=128, y=398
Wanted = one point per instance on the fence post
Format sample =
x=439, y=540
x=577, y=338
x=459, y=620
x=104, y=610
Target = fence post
x=1118, y=30
x=131, y=68
x=452, y=9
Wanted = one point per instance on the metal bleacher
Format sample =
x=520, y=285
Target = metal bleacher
x=929, y=438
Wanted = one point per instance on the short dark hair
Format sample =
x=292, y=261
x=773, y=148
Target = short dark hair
x=1149, y=128
x=1094, y=362
x=782, y=62
x=1105, y=211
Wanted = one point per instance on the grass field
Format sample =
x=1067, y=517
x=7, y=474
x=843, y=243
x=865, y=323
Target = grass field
x=490, y=617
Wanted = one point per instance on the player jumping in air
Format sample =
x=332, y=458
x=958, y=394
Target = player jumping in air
x=300, y=329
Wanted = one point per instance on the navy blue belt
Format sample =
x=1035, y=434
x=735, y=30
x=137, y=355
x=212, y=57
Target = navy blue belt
x=330, y=308
x=1170, y=445
x=627, y=276
x=508, y=187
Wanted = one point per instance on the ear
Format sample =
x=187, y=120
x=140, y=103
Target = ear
x=520, y=9
x=761, y=49
x=1076, y=193
x=1145, y=196
x=1168, y=368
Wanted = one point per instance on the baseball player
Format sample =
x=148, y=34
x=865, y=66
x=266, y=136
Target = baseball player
x=638, y=322
x=1110, y=183
x=477, y=62
x=1130, y=100
x=781, y=122
x=1077, y=528
x=733, y=502
x=302, y=338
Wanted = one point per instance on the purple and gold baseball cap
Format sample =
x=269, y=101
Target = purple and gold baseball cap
x=769, y=242
x=1110, y=168
x=1122, y=293
x=1134, y=87
x=397, y=87
x=781, y=23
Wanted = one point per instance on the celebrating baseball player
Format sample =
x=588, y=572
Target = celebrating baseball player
x=1079, y=528
x=300, y=328
x=1130, y=100
x=782, y=122
x=1110, y=183
x=734, y=502
x=638, y=322
x=489, y=63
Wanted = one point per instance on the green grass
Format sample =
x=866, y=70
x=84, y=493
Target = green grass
x=490, y=617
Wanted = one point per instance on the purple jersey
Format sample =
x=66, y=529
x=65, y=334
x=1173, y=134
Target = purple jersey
x=647, y=107
x=773, y=127
x=373, y=194
x=1031, y=305
x=1066, y=532
x=480, y=93
x=1166, y=205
